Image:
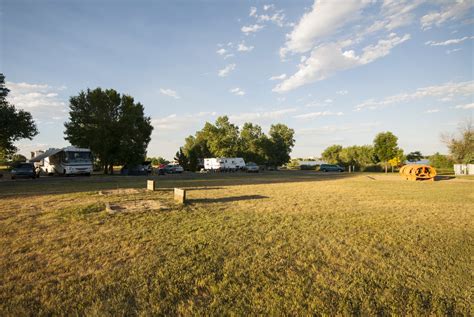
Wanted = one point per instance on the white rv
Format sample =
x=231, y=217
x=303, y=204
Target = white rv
x=224, y=164
x=66, y=161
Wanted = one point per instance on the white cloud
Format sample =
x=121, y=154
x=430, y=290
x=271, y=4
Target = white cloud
x=251, y=28
x=40, y=99
x=432, y=111
x=327, y=59
x=221, y=51
x=342, y=92
x=328, y=101
x=452, y=90
x=449, y=42
x=226, y=70
x=313, y=115
x=279, y=77
x=265, y=115
x=253, y=11
x=466, y=106
x=243, y=48
x=453, y=50
x=237, y=91
x=169, y=93
x=453, y=10
x=181, y=122
x=325, y=18
x=267, y=7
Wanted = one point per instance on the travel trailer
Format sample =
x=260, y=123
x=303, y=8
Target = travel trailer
x=224, y=164
x=66, y=161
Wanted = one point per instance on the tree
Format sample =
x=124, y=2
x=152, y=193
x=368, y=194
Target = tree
x=279, y=145
x=157, y=160
x=113, y=126
x=332, y=154
x=385, y=147
x=222, y=138
x=414, y=156
x=438, y=160
x=14, y=124
x=181, y=158
x=253, y=142
x=18, y=158
x=461, y=147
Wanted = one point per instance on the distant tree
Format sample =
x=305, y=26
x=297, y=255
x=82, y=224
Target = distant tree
x=438, y=160
x=461, y=147
x=414, y=156
x=222, y=138
x=113, y=126
x=385, y=147
x=253, y=142
x=18, y=158
x=332, y=154
x=157, y=160
x=293, y=164
x=279, y=145
x=181, y=158
x=14, y=124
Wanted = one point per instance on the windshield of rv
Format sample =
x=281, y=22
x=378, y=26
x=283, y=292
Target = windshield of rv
x=77, y=157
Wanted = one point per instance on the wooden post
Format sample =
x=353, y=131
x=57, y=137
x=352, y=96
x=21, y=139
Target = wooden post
x=180, y=195
x=150, y=185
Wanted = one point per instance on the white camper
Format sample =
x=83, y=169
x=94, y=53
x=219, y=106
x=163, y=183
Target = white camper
x=224, y=164
x=66, y=161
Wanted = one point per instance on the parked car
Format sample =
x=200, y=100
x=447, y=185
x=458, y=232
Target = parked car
x=251, y=167
x=331, y=168
x=134, y=170
x=173, y=169
x=26, y=170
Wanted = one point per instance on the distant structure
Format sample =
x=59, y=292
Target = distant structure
x=463, y=169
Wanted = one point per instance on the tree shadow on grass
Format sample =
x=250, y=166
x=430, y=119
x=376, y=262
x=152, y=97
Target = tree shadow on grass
x=444, y=177
x=225, y=199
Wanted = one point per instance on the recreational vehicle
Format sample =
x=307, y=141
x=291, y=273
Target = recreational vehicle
x=66, y=161
x=224, y=164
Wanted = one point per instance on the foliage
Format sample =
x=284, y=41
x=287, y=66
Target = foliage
x=113, y=126
x=157, y=160
x=18, y=158
x=461, y=148
x=293, y=164
x=332, y=154
x=181, y=158
x=274, y=245
x=438, y=160
x=224, y=139
x=414, y=156
x=385, y=147
x=15, y=124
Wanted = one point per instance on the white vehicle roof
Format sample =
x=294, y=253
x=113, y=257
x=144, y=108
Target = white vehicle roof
x=52, y=151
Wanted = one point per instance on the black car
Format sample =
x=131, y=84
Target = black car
x=26, y=170
x=134, y=170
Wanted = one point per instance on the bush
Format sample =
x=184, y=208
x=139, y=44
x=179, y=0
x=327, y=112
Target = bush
x=308, y=167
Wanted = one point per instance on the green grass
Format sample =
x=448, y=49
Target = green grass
x=283, y=243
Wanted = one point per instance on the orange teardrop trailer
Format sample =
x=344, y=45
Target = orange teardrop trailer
x=418, y=172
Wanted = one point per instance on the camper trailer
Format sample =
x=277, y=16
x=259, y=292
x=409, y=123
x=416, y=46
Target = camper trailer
x=66, y=161
x=224, y=164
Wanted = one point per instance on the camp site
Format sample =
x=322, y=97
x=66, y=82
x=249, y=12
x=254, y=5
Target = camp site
x=236, y=158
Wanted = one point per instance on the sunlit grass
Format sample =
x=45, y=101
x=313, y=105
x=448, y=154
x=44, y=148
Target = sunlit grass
x=346, y=245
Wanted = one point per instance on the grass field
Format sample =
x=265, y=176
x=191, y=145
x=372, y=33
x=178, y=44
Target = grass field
x=281, y=243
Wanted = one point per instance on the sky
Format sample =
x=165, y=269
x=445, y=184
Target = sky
x=337, y=72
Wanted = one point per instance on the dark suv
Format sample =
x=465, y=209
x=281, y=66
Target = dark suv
x=26, y=170
x=331, y=168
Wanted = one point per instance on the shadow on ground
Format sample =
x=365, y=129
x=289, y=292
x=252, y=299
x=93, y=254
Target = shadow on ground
x=189, y=181
x=225, y=199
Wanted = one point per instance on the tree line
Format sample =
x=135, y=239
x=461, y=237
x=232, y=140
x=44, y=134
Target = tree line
x=225, y=139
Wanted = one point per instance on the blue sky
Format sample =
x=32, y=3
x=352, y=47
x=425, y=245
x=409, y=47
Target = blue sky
x=337, y=72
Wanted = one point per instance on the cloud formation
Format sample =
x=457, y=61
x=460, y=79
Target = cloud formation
x=226, y=70
x=251, y=28
x=237, y=91
x=169, y=93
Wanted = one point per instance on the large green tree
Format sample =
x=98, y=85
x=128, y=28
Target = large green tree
x=253, y=143
x=332, y=154
x=15, y=124
x=280, y=143
x=414, y=156
x=113, y=126
x=461, y=147
x=386, y=147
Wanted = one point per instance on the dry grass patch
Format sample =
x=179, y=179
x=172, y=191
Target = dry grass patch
x=334, y=246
